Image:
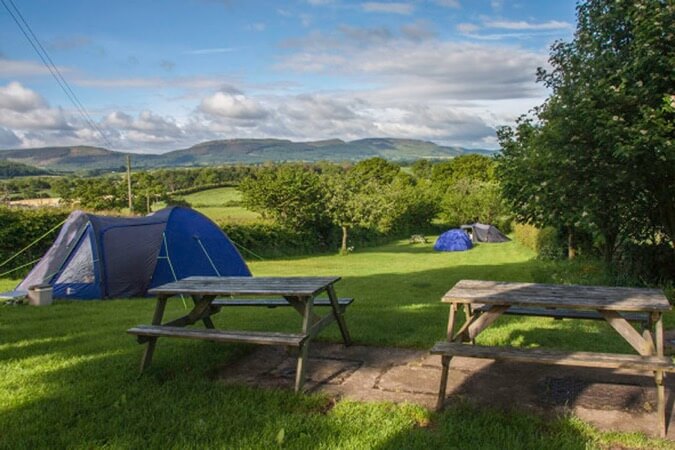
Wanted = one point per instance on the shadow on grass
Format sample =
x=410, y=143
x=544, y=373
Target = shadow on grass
x=70, y=378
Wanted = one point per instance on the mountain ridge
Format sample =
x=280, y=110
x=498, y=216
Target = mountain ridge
x=233, y=151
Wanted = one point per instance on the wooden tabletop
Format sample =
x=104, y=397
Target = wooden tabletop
x=226, y=286
x=558, y=296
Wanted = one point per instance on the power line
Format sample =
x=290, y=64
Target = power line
x=53, y=69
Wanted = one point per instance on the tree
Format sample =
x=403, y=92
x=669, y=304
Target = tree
x=291, y=194
x=375, y=169
x=598, y=154
x=350, y=202
x=422, y=169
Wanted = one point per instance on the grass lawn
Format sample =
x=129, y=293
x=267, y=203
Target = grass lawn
x=69, y=372
x=212, y=203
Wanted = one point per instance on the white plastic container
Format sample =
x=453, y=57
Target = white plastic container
x=41, y=295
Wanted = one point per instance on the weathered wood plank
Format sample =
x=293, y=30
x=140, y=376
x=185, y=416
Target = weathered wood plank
x=470, y=317
x=452, y=316
x=230, y=286
x=561, y=296
x=249, y=337
x=275, y=302
x=545, y=356
x=629, y=333
x=567, y=313
x=485, y=320
x=157, y=316
x=339, y=316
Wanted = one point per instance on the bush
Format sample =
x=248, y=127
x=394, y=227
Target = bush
x=20, y=228
x=272, y=240
x=646, y=264
x=545, y=241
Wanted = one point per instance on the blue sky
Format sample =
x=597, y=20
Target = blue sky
x=159, y=75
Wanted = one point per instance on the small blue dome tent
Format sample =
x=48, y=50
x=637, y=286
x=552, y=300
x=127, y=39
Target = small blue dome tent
x=454, y=240
x=96, y=257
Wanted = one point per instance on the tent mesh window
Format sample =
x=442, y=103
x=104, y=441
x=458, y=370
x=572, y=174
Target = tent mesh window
x=80, y=268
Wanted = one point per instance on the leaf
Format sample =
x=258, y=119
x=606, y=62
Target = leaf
x=281, y=435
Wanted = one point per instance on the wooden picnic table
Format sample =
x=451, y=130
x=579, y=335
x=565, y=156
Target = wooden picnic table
x=298, y=292
x=485, y=301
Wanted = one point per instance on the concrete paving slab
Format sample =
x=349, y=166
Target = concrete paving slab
x=618, y=400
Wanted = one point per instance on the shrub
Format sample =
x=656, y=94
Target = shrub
x=20, y=228
x=646, y=264
x=545, y=241
x=271, y=240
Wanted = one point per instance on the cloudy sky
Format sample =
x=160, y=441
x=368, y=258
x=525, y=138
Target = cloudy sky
x=156, y=76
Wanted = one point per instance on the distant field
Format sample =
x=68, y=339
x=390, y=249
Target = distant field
x=214, y=197
x=213, y=204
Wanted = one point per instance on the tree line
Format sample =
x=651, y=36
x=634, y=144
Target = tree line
x=376, y=194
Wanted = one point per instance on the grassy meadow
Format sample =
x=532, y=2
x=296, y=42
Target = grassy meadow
x=213, y=203
x=70, y=370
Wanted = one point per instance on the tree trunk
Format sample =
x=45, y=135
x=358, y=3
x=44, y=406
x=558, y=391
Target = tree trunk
x=609, y=247
x=343, y=249
x=571, y=243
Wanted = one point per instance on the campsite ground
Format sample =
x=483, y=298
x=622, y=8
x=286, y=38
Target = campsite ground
x=70, y=372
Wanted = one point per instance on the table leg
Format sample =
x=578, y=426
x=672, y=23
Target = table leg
x=445, y=362
x=304, y=349
x=156, y=320
x=208, y=323
x=451, y=321
x=339, y=316
x=657, y=318
x=469, y=312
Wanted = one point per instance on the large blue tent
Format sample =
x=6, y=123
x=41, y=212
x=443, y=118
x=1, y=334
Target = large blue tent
x=96, y=257
x=454, y=240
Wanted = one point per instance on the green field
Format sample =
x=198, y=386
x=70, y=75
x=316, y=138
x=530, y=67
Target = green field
x=213, y=204
x=70, y=371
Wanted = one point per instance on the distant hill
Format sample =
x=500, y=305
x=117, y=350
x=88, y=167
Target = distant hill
x=9, y=169
x=246, y=151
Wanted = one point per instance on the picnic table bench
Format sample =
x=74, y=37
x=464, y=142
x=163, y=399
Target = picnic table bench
x=210, y=295
x=485, y=301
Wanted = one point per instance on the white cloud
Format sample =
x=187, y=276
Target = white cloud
x=17, y=98
x=419, y=30
x=433, y=68
x=259, y=26
x=209, y=51
x=233, y=106
x=390, y=8
x=522, y=25
x=196, y=82
x=467, y=28
x=69, y=42
x=10, y=68
x=448, y=3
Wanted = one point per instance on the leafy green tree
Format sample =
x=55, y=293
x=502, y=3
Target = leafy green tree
x=291, y=194
x=473, y=167
x=349, y=203
x=375, y=169
x=147, y=190
x=422, y=169
x=599, y=155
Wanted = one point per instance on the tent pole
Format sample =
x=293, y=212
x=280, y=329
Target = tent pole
x=207, y=256
x=173, y=272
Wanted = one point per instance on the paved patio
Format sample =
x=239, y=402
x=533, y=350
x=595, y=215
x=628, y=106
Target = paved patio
x=617, y=400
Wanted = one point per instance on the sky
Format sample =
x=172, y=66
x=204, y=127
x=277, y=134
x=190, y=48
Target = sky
x=155, y=76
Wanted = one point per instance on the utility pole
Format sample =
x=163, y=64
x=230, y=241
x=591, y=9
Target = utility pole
x=131, y=205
